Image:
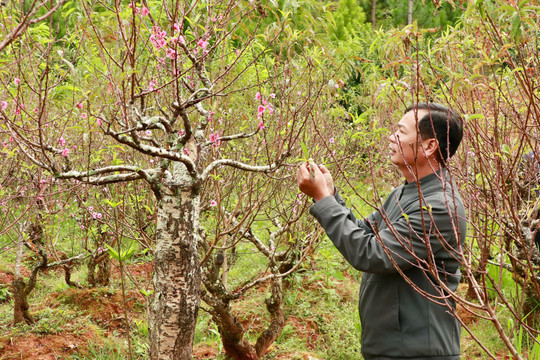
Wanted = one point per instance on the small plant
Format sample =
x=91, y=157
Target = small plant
x=122, y=255
x=5, y=294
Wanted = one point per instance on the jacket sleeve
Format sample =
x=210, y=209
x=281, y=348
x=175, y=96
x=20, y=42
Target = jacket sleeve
x=401, y=242
x=350, y=214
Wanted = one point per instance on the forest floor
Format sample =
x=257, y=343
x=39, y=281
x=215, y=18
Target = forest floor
x=93, y=323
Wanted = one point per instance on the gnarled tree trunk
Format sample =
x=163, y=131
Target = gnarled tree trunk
x=20, y=308
x=177, y=276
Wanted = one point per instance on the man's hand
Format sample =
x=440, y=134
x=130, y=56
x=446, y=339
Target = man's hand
x=314, y=181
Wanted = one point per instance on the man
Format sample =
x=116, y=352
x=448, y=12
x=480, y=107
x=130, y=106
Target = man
x=408, y=247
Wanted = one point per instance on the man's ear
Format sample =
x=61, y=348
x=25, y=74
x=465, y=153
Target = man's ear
x=431, y=147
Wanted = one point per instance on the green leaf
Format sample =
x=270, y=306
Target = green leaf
x=338, y=275
x=113, y=204
x=515, y=33
x=112, y=253
x=476, y=116
x=304, y=150
x=506, y=149
x=146, y=293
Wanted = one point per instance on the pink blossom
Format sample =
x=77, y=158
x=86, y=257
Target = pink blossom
x=186, y=151
x=272, y=96
x=171, y=53
x=74, y=147
x=144, y=11
x=258, y=96
x=148, y=133
x=331, y=140
x=270, y=109
x=18, y=111
x=213, y=203
x=177, y=27
x=36, y=110
x=17, y=81
x=62, y=141
x=98, y=121
x=65, y=152
x=202, y=43
x=11, y=138
x=181, y=40
x=181, y=132
x=158, y=37
x=3, y=105
x=83, y=115
x=215, y=139
x=90, y=208
x=260, y=110
x=82, y=227
x=80, y=105
x=261, y=125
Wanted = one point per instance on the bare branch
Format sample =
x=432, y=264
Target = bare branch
x=239, y=165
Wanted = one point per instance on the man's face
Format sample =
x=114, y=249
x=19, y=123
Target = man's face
x=405, y=140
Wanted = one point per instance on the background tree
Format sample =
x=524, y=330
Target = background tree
x=149, y=85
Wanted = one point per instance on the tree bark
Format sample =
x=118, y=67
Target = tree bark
x=20, y=308
x=409, y=14
x=177, y=276
x=373, y=14
x=102, y=261
x=232, y=332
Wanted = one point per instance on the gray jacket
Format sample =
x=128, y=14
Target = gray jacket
x=397, y=321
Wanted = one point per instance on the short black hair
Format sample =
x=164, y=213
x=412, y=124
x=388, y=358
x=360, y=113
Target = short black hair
x=441, y=123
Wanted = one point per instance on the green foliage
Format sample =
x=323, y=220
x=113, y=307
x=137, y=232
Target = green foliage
x=109, y=350
x=121, y=255
x=429, y=14
x=502, y=279
x=348, y=19
x=5, y=294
